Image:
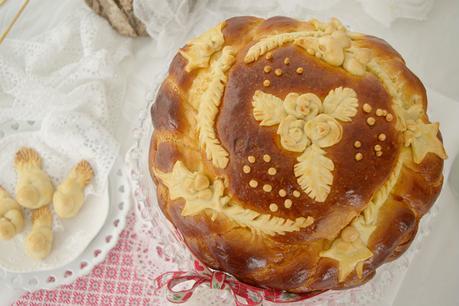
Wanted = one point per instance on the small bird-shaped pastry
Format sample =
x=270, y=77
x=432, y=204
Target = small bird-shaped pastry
x=33, y=188
x=69, y=196
x=40, y=240
x=11, y=216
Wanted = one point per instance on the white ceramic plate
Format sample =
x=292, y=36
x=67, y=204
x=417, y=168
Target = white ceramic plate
x=118, y=195
x=71, y=238
x=80, y=243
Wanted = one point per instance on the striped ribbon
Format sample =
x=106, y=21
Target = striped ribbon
x=244, y=295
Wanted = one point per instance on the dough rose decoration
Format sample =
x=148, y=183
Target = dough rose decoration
x=306, y=125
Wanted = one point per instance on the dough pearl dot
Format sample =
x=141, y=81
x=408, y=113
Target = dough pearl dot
x=371, y=121
x=273, y=207
x=267, y=158
x=366, y=108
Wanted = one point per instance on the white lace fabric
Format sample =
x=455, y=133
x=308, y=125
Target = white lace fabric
x=65, y=83
x=61, y=94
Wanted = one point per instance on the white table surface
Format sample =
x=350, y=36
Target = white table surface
x=431, y=49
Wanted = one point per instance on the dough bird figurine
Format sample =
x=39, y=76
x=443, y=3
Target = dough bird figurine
x=69, y=196
x=40, y=240
x=34, y=188
x=11, y=216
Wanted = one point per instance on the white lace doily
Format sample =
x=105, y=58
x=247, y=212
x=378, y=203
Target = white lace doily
x=119, y=196
x=158, y=248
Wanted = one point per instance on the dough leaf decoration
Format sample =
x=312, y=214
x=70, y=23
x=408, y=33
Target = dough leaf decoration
x=267, y=108
x=314, y=173
x=341, y=103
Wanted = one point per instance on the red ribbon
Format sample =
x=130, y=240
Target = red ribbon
x=244, y=295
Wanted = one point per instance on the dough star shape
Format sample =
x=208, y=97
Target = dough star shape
x=423, y=139
x=348, y=255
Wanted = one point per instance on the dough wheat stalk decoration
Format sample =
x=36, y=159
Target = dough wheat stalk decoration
x=208, y=109
x=202, y=195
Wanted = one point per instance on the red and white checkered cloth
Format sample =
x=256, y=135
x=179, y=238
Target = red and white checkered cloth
x=113, y=282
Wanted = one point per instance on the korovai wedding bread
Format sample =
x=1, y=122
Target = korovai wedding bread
x=294, y=155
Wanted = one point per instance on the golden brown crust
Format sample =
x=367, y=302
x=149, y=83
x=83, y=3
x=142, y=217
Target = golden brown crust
x=375, y=159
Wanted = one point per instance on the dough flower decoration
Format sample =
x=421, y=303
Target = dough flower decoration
x=306, y=126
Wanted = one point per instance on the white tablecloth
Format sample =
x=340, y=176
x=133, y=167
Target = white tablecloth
x=430, y=49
